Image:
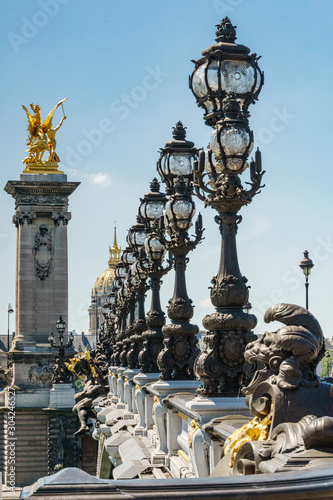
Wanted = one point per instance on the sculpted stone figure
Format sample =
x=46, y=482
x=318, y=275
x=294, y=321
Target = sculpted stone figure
x=293, y=423
x=290, y=354
x=94, y=373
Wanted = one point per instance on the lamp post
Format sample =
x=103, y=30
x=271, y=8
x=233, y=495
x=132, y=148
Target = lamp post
x=176, y=360
x=175, y=166
x=130, y=296
x=94, y=301
x=111, y=301
x=116, y=323
x=122, y=311
x=136, y=237
x=10, y=311
x=225, y=81
x=306, y=265
x=150, y=210
x=61, y=374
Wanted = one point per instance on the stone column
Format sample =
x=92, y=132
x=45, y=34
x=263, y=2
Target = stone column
x=41, y=218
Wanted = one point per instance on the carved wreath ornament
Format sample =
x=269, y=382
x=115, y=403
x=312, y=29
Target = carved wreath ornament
x=43, y=252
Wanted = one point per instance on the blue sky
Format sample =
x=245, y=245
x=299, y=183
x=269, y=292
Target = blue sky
x=124, y=66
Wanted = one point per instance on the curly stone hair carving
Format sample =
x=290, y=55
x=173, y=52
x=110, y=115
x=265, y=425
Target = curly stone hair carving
x=293, y=351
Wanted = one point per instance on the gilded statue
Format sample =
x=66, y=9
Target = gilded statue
x=42, y=138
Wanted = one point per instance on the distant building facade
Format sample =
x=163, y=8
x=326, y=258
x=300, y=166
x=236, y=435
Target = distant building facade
x=102, y=288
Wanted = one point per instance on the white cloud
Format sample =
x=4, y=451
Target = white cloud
x=101, y=179
x=206, y=304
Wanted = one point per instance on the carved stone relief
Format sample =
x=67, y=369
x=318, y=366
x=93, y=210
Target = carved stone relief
x=63, y=446
x=20, y=217
x=61, y=217
x=40, y=375
x=43, y=252
x=40, y=199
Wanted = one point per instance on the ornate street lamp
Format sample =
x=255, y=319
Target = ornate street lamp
x=61, y=374
x=130, y=298
x=226, y=81
x=115, y=324
x=95, y=302
x=177, y=158
x=176, y=360
x=111, y=301
x=121, y=309
x=151, y=208
x=152, y=205
x=136, y=238
x=225, y=67
x=306, y=265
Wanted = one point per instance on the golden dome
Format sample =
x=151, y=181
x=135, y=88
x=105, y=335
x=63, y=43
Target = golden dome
x=104, y=280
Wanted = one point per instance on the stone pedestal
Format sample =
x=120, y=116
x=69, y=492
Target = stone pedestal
x=41, y=218
x=62, y=396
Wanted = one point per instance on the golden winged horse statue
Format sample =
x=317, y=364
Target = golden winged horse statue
x=42, y=135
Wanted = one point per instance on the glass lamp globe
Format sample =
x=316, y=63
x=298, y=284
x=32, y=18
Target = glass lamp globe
x=231, y=140
x=232, y=144
x=177, y=158
x=136, y=235
x=120, y=272
x=179, y=213
x=128, y=257
x=137, y=239
x=111, y=299
x=225, y=67
x=152, y=205
x=61, y=325
x=306, y=264
x=154, y=248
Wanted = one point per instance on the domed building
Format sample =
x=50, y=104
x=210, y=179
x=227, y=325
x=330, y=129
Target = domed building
x=102, y=288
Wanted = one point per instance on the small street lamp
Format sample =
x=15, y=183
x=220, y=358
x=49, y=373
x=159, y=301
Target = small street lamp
x=95, y=301
x=10, y=311
x=306, y=264
x=61, y=374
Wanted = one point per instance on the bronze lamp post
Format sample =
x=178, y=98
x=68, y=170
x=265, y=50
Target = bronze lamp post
x=225, y=81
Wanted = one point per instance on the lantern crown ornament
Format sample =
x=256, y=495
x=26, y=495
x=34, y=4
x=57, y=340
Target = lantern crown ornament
x=226, y=32
x=177, y=158
x=225, y=67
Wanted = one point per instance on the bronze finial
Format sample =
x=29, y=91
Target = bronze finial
x=226, y=32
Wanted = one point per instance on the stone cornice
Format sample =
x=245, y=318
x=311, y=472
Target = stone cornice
x=17, y=188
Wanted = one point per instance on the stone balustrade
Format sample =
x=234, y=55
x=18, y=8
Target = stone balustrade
x=169, y=430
